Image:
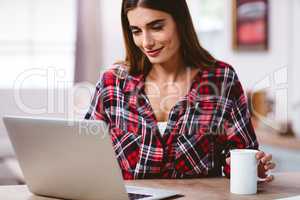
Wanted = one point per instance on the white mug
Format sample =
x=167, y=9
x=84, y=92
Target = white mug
x=243, y=171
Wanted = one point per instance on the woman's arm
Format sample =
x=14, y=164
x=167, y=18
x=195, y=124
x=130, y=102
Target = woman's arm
x=240, y=132
x=96, y=110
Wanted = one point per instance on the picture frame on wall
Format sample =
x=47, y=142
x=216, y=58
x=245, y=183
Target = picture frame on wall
x=250, y=25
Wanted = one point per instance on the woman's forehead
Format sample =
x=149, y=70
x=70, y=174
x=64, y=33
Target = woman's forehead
x=140, y=17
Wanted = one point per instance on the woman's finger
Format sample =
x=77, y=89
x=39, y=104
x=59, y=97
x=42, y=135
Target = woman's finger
x=260, y=155
x=270, y=165
x=267, y=179
x=266, y=158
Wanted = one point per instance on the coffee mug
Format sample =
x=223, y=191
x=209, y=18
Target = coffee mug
x=243, y=171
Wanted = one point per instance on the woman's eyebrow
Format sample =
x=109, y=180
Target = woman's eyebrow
x=150, y=23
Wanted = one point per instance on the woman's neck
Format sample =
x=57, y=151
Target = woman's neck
x=171, y=71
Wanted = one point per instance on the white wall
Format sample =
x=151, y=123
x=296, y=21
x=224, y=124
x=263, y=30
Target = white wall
x=253, y=67
x=295, y=67
x=262, y=70
x=112, y=40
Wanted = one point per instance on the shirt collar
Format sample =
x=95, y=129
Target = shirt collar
x=136, y=83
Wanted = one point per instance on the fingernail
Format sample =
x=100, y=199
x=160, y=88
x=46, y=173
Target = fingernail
x=266, y=167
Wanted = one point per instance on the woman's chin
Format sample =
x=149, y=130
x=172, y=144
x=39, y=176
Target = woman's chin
x=156, y=60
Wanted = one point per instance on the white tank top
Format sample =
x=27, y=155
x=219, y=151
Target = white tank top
x=162, y=127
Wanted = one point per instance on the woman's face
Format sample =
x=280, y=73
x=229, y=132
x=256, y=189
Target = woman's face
x=155, y=33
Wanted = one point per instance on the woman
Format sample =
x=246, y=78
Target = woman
x=173, y=110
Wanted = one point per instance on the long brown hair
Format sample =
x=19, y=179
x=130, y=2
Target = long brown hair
x=193, y=53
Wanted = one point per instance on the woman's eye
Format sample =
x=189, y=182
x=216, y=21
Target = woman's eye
x=135, y=32
x=157, y=27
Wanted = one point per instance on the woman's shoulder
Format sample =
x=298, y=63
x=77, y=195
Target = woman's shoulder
x=115, y=72
x=117, y=75
x=220, y=66
x=220, y=70
x=223, y=77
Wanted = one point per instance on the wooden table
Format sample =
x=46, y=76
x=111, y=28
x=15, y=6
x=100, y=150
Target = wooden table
x=284, y=185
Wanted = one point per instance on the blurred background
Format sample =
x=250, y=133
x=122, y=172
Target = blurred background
x=53, y=51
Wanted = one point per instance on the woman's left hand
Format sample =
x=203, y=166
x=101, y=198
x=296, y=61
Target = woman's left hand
x=265, y=164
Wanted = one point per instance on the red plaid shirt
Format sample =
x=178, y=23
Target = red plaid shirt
x=202, y=127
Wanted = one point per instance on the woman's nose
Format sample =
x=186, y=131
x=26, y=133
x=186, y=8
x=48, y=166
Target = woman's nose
x=148, y=41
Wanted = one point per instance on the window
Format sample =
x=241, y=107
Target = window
x=37, y=41
x=208, y=15
x=209, y=18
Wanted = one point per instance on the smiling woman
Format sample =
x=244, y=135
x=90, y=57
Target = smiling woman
x=155, y=34
x=165, y=26
x=173, y=110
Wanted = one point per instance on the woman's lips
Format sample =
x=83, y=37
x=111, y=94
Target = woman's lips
x=154, y=53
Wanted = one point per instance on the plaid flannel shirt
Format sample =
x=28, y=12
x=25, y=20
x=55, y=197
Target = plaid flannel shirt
x=202, y=127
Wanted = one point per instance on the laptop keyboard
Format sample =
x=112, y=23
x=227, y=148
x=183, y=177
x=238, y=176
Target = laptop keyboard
x=133, y=196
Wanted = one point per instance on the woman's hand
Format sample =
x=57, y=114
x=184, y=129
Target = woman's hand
x=265, y=164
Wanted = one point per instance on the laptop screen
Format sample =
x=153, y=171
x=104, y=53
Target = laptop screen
x=133, y=196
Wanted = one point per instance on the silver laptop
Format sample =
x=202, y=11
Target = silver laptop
x=71, y=160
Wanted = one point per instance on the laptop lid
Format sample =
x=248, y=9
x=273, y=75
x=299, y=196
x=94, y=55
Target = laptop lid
x=66, y=159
